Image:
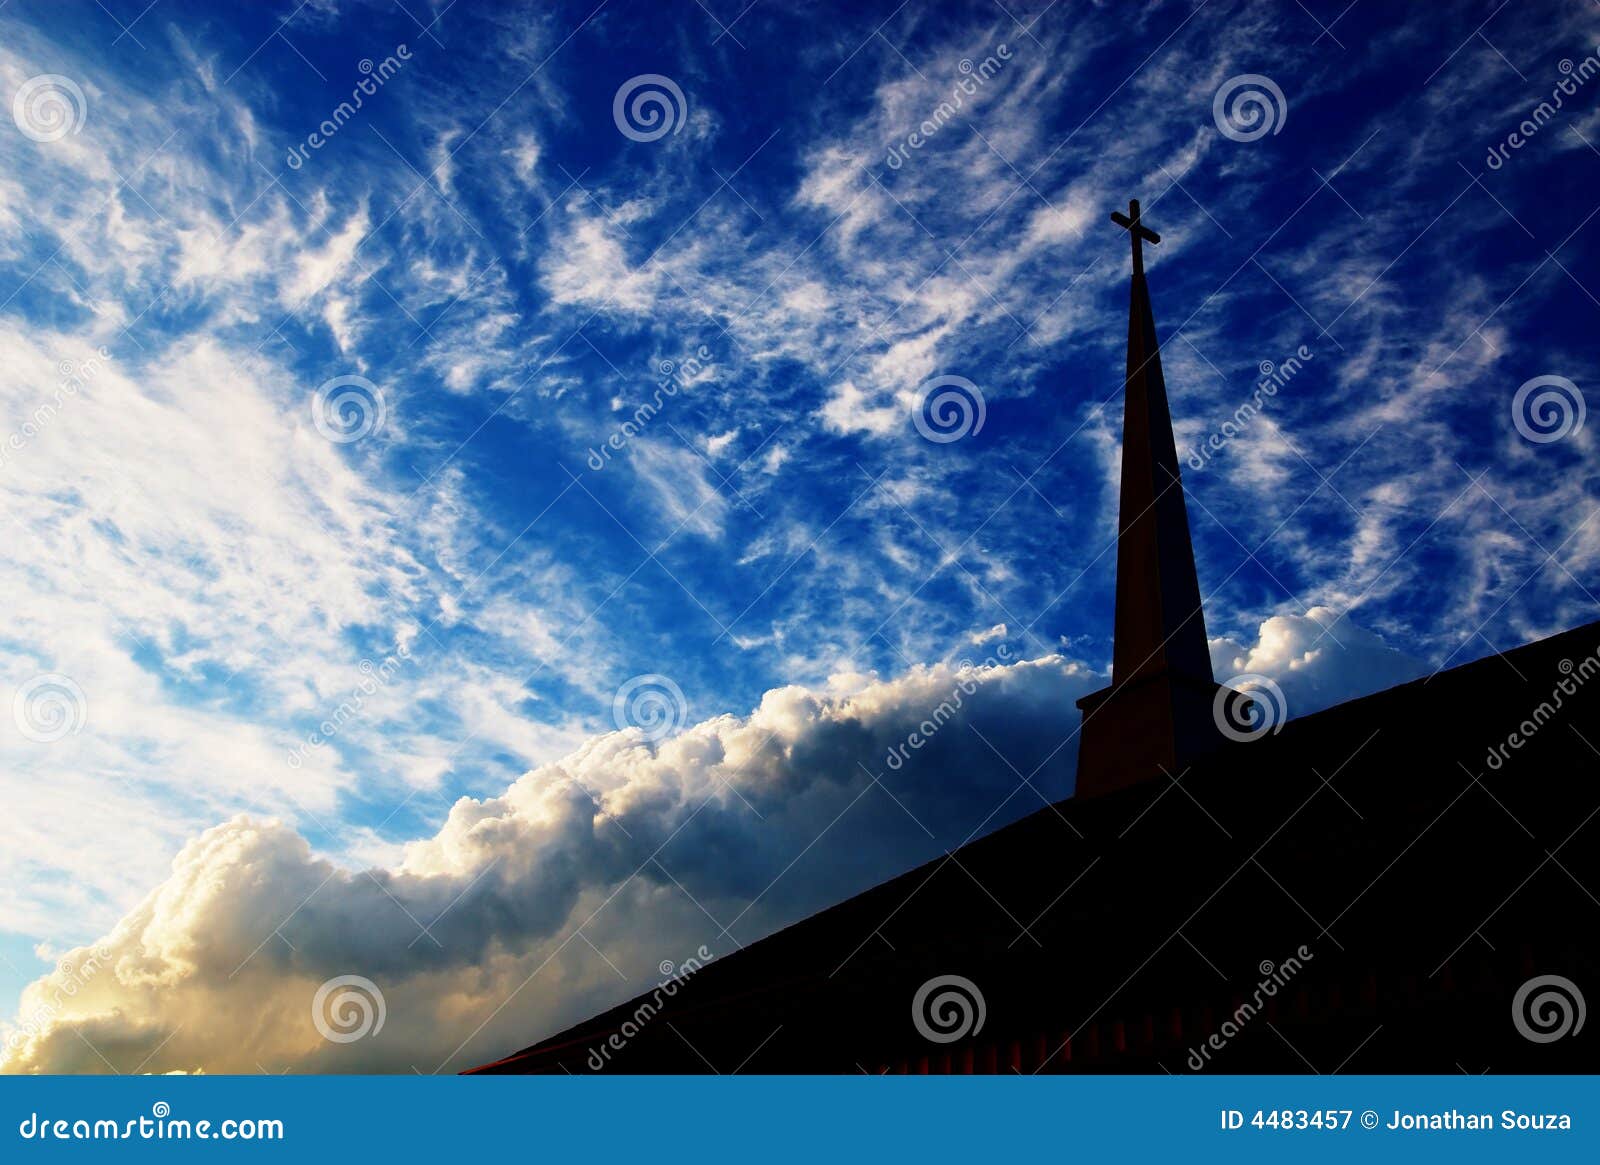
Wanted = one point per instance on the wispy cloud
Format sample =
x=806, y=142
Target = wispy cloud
x=510, y=272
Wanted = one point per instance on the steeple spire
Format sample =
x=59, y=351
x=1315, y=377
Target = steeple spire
x=1157, y=713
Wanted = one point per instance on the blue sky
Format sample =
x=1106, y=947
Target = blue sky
x=484, y=247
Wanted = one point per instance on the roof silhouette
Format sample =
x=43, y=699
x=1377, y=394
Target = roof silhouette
x=1118, y=933
x=1372, y=888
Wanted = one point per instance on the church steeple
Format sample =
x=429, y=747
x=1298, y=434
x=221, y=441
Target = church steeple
x=1157, y=713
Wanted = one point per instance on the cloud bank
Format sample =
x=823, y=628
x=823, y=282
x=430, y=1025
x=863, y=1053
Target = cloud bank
x=527, y=910
x=531, y=910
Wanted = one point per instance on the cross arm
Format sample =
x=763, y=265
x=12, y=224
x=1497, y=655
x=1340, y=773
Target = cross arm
x=1134, y=225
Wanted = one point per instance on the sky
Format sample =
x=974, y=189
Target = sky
x=492, y=487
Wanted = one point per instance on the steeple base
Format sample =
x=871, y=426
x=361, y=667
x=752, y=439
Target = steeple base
x=1131, y=732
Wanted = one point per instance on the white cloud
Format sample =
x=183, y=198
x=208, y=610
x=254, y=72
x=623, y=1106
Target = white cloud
x=314, y=270
x=674, y=481
x=217, y=967
x=850, y=410
x=197, y=977
x=1319, y=659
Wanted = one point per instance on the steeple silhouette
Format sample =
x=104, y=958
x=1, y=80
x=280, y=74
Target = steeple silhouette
x=1157, y=713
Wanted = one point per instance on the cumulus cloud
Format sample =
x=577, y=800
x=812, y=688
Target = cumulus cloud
x=531, y=910
x=528, y=910
x=213, y=595
x=1319, y=659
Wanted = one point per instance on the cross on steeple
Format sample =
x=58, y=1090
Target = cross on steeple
x=1137, y=230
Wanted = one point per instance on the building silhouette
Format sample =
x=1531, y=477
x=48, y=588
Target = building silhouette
x=1403, y=883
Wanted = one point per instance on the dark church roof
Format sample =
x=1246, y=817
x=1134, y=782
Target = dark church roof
x=1380, y=887
x=1425, y=883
